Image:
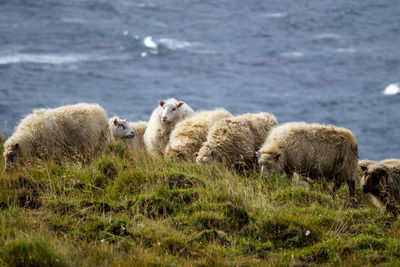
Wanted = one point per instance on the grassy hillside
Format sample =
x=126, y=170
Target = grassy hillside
x=125, y=210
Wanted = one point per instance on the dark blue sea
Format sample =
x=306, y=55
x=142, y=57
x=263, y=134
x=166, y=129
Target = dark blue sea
x=334, y=62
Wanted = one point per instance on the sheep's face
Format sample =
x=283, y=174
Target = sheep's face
x=121, y=129
x=270, y=162
x=374, y=181
x=169, y=111
x=205, y=155
x=12, y=156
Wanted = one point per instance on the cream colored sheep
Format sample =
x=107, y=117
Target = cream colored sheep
x=162, y=122
x=120, y=129
x=232, y=141
x=137, y=143
x=73, y=131
x=382, y=182
x=189, y=135
x=312, y=150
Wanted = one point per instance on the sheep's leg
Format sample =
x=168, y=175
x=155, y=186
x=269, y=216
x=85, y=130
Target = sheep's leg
x=336, y=186
x=352, y=187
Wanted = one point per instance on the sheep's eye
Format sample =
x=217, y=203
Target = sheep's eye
x=123, y=127
x=173, y=109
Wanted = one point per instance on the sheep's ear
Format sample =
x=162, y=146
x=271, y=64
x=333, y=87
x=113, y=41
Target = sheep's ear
x=179, y=104
x=277, y=156
x=161, y=103
x=115, y=122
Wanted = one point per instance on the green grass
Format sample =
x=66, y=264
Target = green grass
x=125, y=209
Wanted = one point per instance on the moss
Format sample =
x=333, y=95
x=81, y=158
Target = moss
x=181, y=181
x=285, y=233
x=322, y=252
x=368, y=242
x=237, y=216
x=213, y=235
x=164, y=202
x=29, y=253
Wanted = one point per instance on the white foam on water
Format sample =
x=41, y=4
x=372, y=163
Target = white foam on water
x=149, y=43
x=276, y=15
x=174, y=44
x=292, y=54
x=392, y=89
x=346, y=50
x=42, y=59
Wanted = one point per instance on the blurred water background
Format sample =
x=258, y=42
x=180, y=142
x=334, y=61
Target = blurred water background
x=334, y=62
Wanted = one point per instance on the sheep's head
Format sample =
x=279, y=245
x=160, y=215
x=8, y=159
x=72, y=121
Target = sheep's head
x=169, y=110
x=121, y=128
x=362, y=168
x=205, y=156
x=12, y=156
x=375, y=180
x=270, y=162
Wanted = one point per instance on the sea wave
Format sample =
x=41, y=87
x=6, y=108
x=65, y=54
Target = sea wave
x=275, y=15
x=169, y=43
x=42, y=59
x=392, y=89
x=346, y=50
x=292, y=54
x=174, y=44
x=329, y=35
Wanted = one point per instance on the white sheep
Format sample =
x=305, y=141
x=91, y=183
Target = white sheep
x=120, y=129
x=312, y=150
x=162, y=122
x=233, y=141
x=73, y=131
x=189, y=135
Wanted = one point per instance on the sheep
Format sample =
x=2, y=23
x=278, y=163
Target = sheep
x=137, y=143
x=120, y=129
x=162, y=122
x=382, y=182
x=311, y=150
x=232, y=141
x=362, y=166
x=188, y=136
x=70, y=131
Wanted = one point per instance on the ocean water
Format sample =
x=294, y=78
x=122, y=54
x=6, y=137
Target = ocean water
x=334, y=62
